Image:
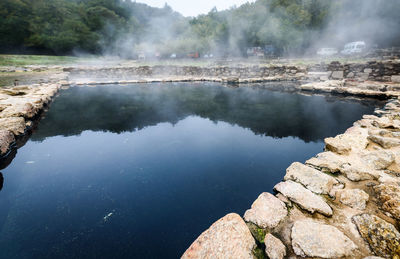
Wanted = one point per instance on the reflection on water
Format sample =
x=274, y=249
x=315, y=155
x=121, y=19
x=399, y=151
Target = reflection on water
x=140, y=171
x=1, y=181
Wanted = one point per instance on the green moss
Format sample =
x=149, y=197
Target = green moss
x=257, y=232
x=259, y=253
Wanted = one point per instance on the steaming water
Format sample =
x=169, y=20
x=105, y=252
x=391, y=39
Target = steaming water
x=140, y=171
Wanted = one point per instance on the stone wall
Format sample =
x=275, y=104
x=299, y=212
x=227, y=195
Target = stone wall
x=388, y=71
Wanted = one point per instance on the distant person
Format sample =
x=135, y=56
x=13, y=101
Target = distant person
x=16, y=81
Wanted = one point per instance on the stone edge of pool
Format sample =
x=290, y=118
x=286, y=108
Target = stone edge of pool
x=344, y=202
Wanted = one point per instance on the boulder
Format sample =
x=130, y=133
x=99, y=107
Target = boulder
x=14, y=124
x=266, y=212
x=328, y=162
x=382, y=237
x=314, y=239
x=311, y=178
x=306, y=199
x=354, y=198
x=386, y=123
x=229, y=237
x=274, y=247
x=6, y=140
x=389, y=198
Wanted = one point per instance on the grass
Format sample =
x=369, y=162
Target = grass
x=23, y=60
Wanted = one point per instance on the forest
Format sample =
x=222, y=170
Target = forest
x=126, y=28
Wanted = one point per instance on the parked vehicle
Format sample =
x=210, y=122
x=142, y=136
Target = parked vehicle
x=327, y=52
x=354, y=48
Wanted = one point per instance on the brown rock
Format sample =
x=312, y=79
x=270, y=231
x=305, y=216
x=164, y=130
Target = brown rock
x=382, y=237
x=389, y=197
x=14, y=124
x=6, y=140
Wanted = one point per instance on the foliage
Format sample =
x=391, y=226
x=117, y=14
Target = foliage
x=126, y=28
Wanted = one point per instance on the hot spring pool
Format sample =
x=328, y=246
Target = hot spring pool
x=140, y=171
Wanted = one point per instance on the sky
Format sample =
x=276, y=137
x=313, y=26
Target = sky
x=195, y=7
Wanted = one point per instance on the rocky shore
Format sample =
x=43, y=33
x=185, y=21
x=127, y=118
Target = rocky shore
x=344, y=202
x=19, y=107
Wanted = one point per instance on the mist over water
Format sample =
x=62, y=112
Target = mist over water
x=139, y=171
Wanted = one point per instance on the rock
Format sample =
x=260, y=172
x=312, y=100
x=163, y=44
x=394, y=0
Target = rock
x=328, y=162
x=303, y=197
x=337, y=75
x=229, y=237
x=14, y=124
x=313, y=239
x=312, y=179
x=382, y=237
x=6, y=140
x=266, y=212
x=351, y=166
x=354, y=198
x=373, y=257
x=386, y=123
x=274, y=247
x=389, y=197
x=378, y=160
x=344, y=143
x=385, y=142
x=395, y=79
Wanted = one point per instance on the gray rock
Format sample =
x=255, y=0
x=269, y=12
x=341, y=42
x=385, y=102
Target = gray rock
x=274, y=247
x=229, y=237
x=312, y=179
x=337, y=75
x=267, y=211
x=382, y=237
x=306, y=199
x=354, y=198
x=314, y=239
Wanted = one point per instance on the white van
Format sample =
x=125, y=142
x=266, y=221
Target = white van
x=354, y=48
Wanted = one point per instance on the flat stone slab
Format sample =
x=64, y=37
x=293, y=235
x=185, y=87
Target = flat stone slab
x=382, y=237
x=344, y=143
x=354, y=198
x=311, y=178
x=228, y=237
x=314, y=239
x=303, y=197
x=385, y=142
x=267, y=211
x=274, y=247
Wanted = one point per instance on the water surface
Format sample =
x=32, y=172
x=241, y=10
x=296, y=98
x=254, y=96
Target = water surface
x=140, y=171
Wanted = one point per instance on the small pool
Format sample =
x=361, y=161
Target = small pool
x=139, y=171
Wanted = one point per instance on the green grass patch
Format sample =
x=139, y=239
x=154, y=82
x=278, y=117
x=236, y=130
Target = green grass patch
x=23, y=60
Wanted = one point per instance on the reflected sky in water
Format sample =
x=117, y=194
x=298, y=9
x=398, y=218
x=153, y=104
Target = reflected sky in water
x=140, y=171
